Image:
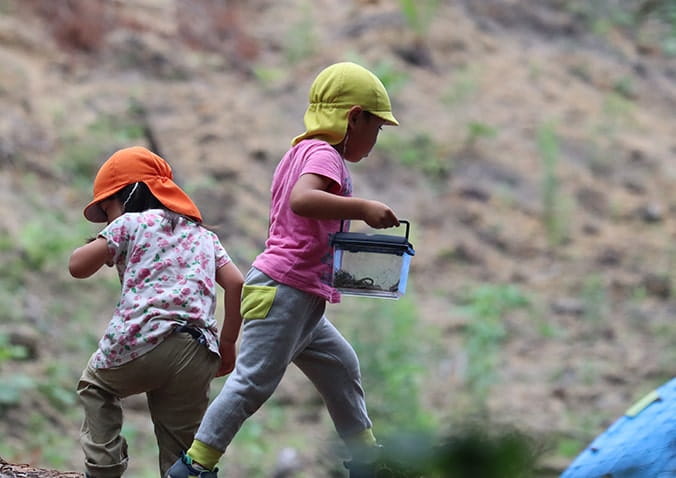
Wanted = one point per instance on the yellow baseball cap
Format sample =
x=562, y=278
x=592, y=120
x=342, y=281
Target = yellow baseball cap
x=334, y=91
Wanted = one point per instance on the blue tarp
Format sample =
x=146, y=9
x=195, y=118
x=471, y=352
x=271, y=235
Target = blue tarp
x=640, y=444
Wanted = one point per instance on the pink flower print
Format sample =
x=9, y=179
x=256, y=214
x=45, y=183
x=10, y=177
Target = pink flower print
x=185, y=291
x=134, y=329
x=209, y=282
x=165, y=264
x=163, y=243
x=177, y=301
x=143, y=274
x=136, y=256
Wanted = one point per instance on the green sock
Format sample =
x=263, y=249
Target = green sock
x=363, y=446
x=204, y=454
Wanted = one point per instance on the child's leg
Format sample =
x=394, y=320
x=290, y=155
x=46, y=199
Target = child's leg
x=331, y=363
x=267, y=346
x=104, y=448
x=177, y=406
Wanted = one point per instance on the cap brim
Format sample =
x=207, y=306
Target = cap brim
x=94, y=213
x=387, y=116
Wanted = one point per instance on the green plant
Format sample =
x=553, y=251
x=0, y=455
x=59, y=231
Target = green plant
x=13, y=384
x=301, y=41
x=389, y=342
x=477, y=130
x=46, y=239
x=485, y=306
x=594, y=299
x=83, y=151
x=419, y=151
x=392, y=77
x=464, y=86
x=553, y=212
x=250, y=445
x=419, y=14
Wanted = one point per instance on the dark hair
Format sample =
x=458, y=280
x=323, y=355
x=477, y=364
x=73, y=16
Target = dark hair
x=137, y=197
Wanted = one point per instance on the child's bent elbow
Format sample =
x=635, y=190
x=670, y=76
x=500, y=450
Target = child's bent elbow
x=77, y=273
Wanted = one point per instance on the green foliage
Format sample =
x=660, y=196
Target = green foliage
x=83, y=152
x=485, y=306
x=392, y=78
x=652, y=22
x=391, y=349
x=13, y=384
x=594, y=298
x=477, y=130
x=46, y=239
x=250, y=444
x=419, y=14
x=553, y=213
x=470, y=450
x=464, y=86
x=568, y=447
x=9, y=351
x=13, y=388
x=418, y=151
x=301, y=41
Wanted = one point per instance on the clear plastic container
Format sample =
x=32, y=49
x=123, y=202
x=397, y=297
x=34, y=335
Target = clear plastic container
x=371, y=265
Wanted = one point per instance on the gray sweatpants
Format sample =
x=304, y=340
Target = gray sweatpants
x=296, y=330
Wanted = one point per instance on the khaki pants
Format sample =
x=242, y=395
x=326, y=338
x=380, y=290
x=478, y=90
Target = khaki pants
x=175, y=377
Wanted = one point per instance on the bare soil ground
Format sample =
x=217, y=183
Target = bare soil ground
x=220, y=89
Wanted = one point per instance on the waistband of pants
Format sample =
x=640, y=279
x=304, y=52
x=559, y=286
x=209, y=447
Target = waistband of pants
x=196, y=333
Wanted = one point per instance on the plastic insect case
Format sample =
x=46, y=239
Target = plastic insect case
x=372, y=265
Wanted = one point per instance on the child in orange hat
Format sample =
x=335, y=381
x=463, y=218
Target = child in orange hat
x=286, y=290
x=162, y=339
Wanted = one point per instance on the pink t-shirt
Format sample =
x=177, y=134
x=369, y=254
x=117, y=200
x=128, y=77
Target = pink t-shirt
x=297, y=252
x=168, y=278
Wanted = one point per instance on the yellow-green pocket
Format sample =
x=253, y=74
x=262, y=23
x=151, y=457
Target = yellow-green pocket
x=257, y=301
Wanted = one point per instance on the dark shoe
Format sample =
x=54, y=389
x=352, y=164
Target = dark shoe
x=367, y=465
x=183, y=469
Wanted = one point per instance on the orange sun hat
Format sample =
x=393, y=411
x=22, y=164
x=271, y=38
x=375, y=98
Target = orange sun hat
x=138, y=164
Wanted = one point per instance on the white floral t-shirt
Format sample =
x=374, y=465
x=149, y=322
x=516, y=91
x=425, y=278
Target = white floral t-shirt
x=168, y=280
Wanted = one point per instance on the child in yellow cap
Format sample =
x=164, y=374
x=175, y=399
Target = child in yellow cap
x=162, y=339
x=286, y=290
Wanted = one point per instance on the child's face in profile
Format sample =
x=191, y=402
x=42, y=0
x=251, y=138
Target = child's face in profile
x=363, y=134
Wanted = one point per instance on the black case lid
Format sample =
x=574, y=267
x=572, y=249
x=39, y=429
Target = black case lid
x=363, y=242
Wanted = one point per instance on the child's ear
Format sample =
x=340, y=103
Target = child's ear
x=353, y=114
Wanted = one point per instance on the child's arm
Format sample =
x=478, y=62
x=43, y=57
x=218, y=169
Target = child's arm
x=310, y=198
x=230, y=278
x=87, y=259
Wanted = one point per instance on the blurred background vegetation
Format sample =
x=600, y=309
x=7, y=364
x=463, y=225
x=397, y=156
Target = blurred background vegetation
x=541, y=298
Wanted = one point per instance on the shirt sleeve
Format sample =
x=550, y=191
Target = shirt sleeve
x=118, y=235
x=325, y=161
x=222, y=257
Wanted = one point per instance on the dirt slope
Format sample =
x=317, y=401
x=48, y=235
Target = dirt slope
x=489, y=94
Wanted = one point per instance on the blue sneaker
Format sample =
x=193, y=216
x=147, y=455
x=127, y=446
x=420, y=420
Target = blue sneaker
x=183, y=468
